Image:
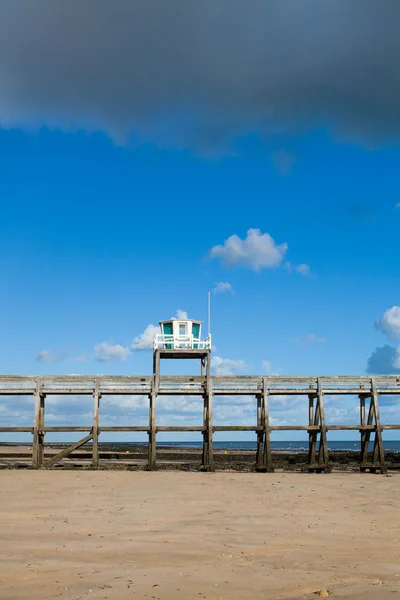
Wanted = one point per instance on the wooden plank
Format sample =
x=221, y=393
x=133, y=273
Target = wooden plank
x=125, y=428
x=181, y=428
x=16, y=430
x=237, y=428
x=314, y=428
x=67, y=451
x=65, y=428
x=350, y=427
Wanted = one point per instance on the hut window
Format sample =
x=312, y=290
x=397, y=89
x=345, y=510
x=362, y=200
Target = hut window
x=182, y=328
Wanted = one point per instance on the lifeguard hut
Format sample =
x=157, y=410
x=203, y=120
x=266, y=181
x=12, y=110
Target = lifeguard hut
x=182, y=338
x=182, y=334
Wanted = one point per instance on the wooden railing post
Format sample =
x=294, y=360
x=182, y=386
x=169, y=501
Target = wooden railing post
x=323, y=457
x=267, y=461
x=95, y=443
x=209, y=418
x=260, y=434
x=38, y=433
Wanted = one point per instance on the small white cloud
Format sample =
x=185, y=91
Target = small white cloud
x=303, y=269
x=268, y=368
x=106, y=351
x=181, y=315
x=221, y=287
x=145, y=340
x=397, y=206
x=226, y=366
x=310, y=338
x=389, y=324
x=257, y=251
x=45, y=356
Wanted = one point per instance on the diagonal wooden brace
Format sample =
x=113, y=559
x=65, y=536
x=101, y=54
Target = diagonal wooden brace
x=67, y=451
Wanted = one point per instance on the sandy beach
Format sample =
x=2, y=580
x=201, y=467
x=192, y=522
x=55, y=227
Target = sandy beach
x=171, y=535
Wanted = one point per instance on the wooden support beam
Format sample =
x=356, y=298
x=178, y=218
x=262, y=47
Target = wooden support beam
x=95, y=431
x=208, y=455
x=365, y=439
x=379, y=453
x=323, y=458
x=362, y=421
x=38, y=435
x=260, y=434
x=267, y=459
x=312, y=421
x=67, y=451
x=152, y=464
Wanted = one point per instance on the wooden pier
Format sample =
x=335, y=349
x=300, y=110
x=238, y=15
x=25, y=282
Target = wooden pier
x=313, y=389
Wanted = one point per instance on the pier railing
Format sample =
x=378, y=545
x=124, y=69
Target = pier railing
x=314, y=389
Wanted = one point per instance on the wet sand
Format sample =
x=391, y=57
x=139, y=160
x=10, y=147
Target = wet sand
x=119, y=535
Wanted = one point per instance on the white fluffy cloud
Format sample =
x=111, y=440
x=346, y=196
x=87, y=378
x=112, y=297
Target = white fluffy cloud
x=257, y=251
x=106, y=351
x=222, y=286
x=226, y=366
x=181, y=315
x=389, y=323
x=145, y=340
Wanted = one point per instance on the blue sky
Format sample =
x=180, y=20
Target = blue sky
x=99, y=241
x=119, y=205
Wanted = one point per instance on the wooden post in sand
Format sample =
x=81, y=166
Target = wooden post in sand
x=95, y=443
x=267, y=459
x=378, y=458
x=208, y=455
x=312, y=435
x=155, y=384
x=323, y=458
x=260, y=434
x=316, y=420
x=378, y=454
x=38, y=433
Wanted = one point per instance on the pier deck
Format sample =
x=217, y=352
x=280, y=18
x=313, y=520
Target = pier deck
x=314, y=389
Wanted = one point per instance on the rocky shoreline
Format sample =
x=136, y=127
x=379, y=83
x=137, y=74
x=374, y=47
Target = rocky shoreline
x=135, y=456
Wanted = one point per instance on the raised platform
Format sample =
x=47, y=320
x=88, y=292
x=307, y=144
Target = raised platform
x=183, y=353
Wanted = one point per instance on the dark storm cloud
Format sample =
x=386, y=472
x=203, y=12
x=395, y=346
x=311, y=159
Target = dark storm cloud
x=198, y=73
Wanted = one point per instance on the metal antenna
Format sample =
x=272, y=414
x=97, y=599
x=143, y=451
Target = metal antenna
x=209, y=311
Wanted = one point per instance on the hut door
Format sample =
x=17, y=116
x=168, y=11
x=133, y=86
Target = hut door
x=196, y=334
x=168, y=331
